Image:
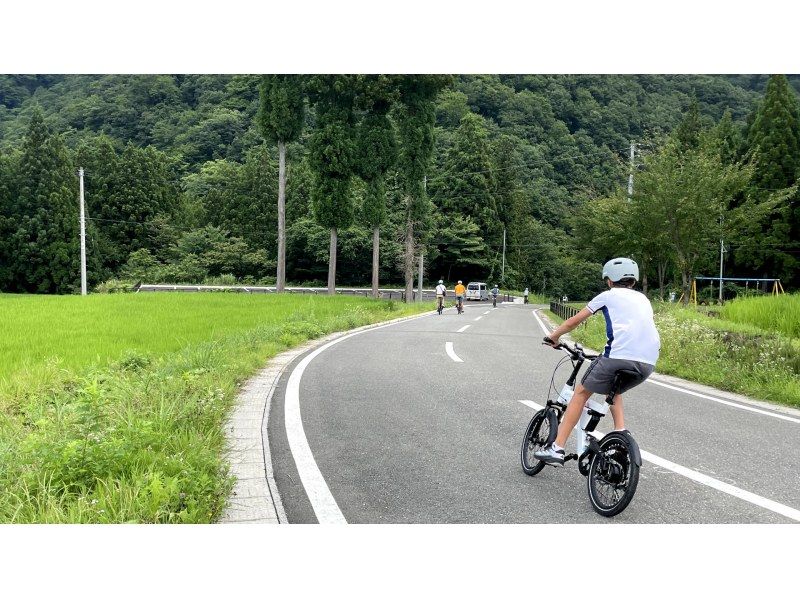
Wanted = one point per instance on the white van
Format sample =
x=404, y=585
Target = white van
x=477, y=291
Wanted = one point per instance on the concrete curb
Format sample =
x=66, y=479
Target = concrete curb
x=255, y=498
x=698, y=387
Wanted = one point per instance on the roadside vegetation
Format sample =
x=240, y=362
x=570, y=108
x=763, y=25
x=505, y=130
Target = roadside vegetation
x=744, y=356
x=779, y=314
x=112, y=407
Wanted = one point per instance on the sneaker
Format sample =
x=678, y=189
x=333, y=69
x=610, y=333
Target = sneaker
x=550, y=455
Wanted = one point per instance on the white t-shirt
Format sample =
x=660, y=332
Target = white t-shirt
x=440, y=290
x=630, y=328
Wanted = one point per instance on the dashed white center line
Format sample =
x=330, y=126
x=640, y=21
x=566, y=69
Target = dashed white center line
x=448, y=346
x=487, y=312
x=706, y=480
x=463, y=328
x=478, y=318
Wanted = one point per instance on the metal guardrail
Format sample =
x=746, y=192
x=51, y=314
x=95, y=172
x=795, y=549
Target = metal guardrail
x=390, y=294
x=562, y=310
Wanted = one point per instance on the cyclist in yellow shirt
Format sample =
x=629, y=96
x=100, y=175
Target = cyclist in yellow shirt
x=460, y=292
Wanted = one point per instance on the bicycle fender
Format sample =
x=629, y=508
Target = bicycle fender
x=636, y=455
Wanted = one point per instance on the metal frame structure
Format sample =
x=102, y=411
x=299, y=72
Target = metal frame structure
x=777, y=287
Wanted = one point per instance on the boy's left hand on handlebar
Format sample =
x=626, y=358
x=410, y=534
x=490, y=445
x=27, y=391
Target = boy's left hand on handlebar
x=553, y=342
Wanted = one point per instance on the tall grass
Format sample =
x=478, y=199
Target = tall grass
x=130, y=429
x=777, y=313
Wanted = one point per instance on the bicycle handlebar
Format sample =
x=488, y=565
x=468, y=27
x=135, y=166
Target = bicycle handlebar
x=576, y=351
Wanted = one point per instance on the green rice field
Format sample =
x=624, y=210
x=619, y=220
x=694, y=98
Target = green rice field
x=776, y=313
x=75, y=331
x=112, y=406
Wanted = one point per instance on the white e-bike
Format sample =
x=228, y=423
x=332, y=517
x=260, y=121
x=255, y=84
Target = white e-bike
x=611, y=463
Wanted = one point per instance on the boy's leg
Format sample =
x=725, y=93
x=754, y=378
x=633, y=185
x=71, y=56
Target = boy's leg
x=616, y=413
x=572, y=414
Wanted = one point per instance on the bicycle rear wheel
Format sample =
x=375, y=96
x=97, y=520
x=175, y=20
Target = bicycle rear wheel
x=613, y=474
x=540, y=432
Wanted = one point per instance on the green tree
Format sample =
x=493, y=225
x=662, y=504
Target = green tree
x=280, y=119
x=688, y=192
x=377, y=153
x=467, y=186
x=332, y=150
x=126, y=193
x=6, y=222
x=416, y=119
x=239, y=198
x=687, y=134
x=44, y=245
x=774, y=142
x=729, y=138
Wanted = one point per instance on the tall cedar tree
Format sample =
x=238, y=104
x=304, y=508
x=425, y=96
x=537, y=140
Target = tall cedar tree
x=774, y=141
x=332, y=158
x=467, y=189
x=130, y=195
x=6, y=224
x=44, y=247
x=687, y=135
x=377, y=153
x=239, y=197
x=416, y=118
x=280, y=119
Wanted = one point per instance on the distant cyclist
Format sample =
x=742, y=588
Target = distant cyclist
x=495, y=292
x=632, y=344
x=441, y=291
x=460, y=292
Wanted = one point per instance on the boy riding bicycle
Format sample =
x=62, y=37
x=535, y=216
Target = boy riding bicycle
x=460, y=291
x=632, y=344
x=441, y=291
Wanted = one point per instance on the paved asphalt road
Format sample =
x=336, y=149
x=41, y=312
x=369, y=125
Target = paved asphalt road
x=402, y=433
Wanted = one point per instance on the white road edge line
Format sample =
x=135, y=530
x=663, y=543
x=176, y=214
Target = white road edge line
x=448, y=346
x=697, y=394
x=724, y=402
x=463, y=328
x=706, y=480
x=322, y=501
x=541, y=324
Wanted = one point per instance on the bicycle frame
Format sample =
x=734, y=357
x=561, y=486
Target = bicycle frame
x=592, y=412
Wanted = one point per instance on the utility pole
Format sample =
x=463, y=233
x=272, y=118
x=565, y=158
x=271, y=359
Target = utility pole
x=419, y=294
x=630, y=176
x=721, y=252
x=83, y=236
x=421, y=259
x=503, y=271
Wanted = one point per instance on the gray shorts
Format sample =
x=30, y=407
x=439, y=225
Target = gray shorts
x=599, y=378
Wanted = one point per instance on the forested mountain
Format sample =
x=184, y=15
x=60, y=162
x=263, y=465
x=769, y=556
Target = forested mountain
x=181, y=184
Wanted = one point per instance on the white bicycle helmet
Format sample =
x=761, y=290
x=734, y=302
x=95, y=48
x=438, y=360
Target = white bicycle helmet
x=441, y=282
x=619, y=268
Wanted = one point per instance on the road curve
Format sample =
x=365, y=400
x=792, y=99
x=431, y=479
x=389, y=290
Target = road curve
x=402, y=433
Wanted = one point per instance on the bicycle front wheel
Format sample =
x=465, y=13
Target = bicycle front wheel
x=613, y=474
x=540, y=432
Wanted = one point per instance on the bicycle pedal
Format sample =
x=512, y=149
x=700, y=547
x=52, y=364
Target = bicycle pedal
x=570, y=457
